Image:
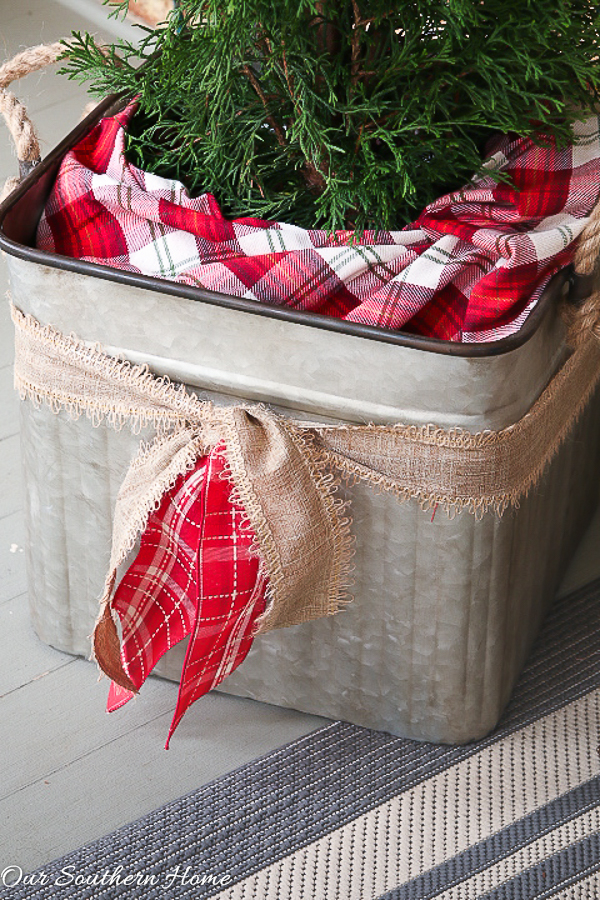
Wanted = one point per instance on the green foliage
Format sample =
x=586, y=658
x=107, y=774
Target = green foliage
x=343, y=113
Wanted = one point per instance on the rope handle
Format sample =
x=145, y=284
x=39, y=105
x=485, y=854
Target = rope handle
x=15, y=114
x=581, y=314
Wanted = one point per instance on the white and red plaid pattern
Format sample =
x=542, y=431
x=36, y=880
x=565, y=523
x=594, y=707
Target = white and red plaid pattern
x=469, y=269
x=193, y=574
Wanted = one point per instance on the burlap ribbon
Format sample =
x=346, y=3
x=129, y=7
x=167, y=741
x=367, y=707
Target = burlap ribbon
x=285, y=472
x=279, y=474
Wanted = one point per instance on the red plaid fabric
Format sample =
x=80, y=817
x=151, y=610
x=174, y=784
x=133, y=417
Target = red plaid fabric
x=195, y=575
x=469, y=269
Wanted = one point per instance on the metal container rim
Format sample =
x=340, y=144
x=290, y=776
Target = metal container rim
x=17, y=200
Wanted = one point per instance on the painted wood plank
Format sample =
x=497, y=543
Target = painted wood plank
x=94, y=796
x=64, y=713
x=70, y=773
x=40, y=21
x=98, y=21
x=13, y=578
x=24, y=658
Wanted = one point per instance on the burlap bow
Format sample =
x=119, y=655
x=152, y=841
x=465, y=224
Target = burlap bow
x=283, y=470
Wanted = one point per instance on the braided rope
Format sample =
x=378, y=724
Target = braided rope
x=584, y=320
x=10, y=185
x=28, y=61
x=18, y=122
x=21, y=128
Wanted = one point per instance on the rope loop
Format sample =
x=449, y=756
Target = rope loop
x=15, y=114
x=583, y=319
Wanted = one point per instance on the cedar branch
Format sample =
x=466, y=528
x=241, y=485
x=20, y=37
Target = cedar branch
x=355, y=43
x=269, y=118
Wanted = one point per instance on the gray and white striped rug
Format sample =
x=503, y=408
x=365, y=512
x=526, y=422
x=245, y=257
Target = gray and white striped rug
x=349, y=813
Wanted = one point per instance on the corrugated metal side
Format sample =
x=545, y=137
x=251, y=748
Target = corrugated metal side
x=445, y=611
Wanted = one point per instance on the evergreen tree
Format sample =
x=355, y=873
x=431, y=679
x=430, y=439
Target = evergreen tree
x=344, y=113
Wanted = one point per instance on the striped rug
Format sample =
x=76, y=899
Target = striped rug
x=349, y=813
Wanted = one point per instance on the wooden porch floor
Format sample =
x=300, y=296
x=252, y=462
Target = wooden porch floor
x=68, y=772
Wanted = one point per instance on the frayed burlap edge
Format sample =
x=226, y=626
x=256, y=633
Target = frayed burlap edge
x=113, y=390
x=476, y=472
x=316, y=559
x=277, y=464
x=307, y=564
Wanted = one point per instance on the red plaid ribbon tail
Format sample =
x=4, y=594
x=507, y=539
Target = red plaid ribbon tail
x=195, y=574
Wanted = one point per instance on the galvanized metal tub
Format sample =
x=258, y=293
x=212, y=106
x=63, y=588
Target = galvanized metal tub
x=445, y=610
